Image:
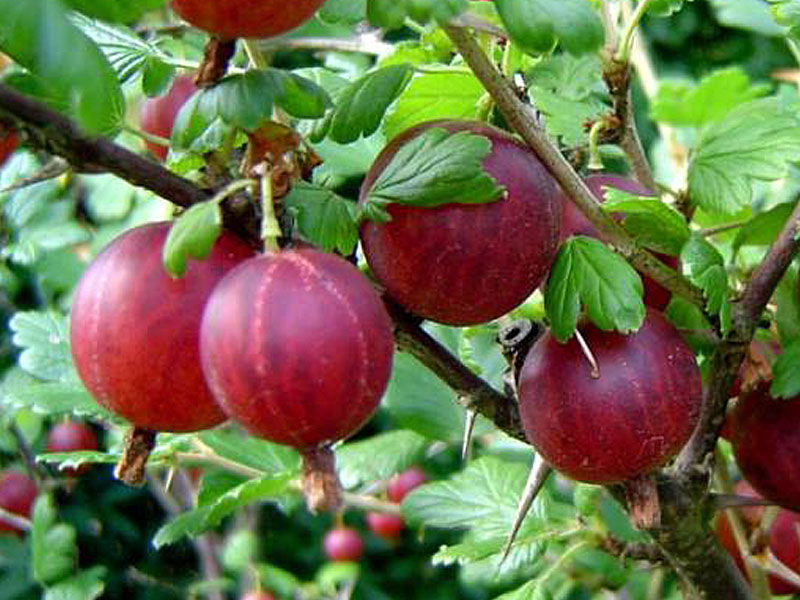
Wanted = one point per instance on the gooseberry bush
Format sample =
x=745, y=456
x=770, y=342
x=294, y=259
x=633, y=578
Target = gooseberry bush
x=399, y=299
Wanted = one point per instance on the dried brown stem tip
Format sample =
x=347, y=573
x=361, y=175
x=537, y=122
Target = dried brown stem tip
x=216, y=57
x=641, y=496
x=321, y=485
x=139, y=443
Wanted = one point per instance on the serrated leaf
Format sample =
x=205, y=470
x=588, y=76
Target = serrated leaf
x=116, y=11
x=55, y=398
x=762, y=229
x=54, y=551
x=323, y=217
x=265, y=456
x=156, y=76
x=423, y=101
x=587, y=272
x=44, y=340
x=39, y=36
x=71, y=460
x=192, y=235
x=651, y=222
x=437, y=167
x=378, y=457
x=84, y=585
x=709, y=100
x=786, y=374
x=360, y=107
x=201, y=519
x=705, y=267
x=755, y=141
x=537, y=25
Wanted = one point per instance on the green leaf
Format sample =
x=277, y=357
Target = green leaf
x=786, y=381
x=483, y=497
x=755, y=141
x=537, y=25
x=39, y=36
x=437, y=167
x=418, y=400
x=156, y=76
x=587, y=272
x=201, y=519
x=55, y=553
x=651, y=222
x=787, y=317
x=265, y=456
x=84, y=585
x=664, y=8
x=710, y=100
x=117, y=11
x=56, y=398
x=72, y=460
x=192, y=235
x=44, y=340
x=750, y=15
x=378, y=457
x=705, y=267
x=343, y=11
x=362, y=105
x=323, y=217
x=423, y=100
x=787, y=14
x=391, y=14
x=762, y=229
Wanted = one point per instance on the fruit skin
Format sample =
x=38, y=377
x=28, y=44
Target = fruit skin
x=783, y=538
x=401, y=484
x=17, y=494
x=246, y=18
x=135, y=330
x=630, y=421
x=158, y=114
x=8, y=143
x=463, y=264
x=574, y=223
x=69, y=437
x=388, y=527
x=766, y=443
x=343, y=544
x=297, y=347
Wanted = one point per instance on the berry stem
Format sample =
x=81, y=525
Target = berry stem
x=138, y=445
x=270, y=228
x=321, y=485
x=626, y=43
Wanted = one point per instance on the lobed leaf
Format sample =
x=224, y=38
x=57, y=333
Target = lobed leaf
x=192, y=235
x=323, y=217
x=378, y=457
x=43, y=338
x=705, y=267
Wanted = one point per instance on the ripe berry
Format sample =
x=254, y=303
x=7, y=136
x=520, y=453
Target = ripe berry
x=385, y=526
x=230, y=19
x=463, y=264
x=158, y=114
x=629, y=421
x=8, y=143
x=574, y=223
x=70, y=437
x=297, y=347
x=402, y=483
x=17, y=494
x=343, y=544
x=766, y=443
x=783, y=538
x=135, y=330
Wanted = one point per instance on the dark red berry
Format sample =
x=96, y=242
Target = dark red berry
x=629, y=421
x=17, y=494
x=297, y=347
x=402, y=483
x=158, y=114
x=246, y=18
x=343, y=544
x=463, y=264
x=389, y=527
x=8, y=143
x=135, y=330
x=766, y=443
x=70, y=437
